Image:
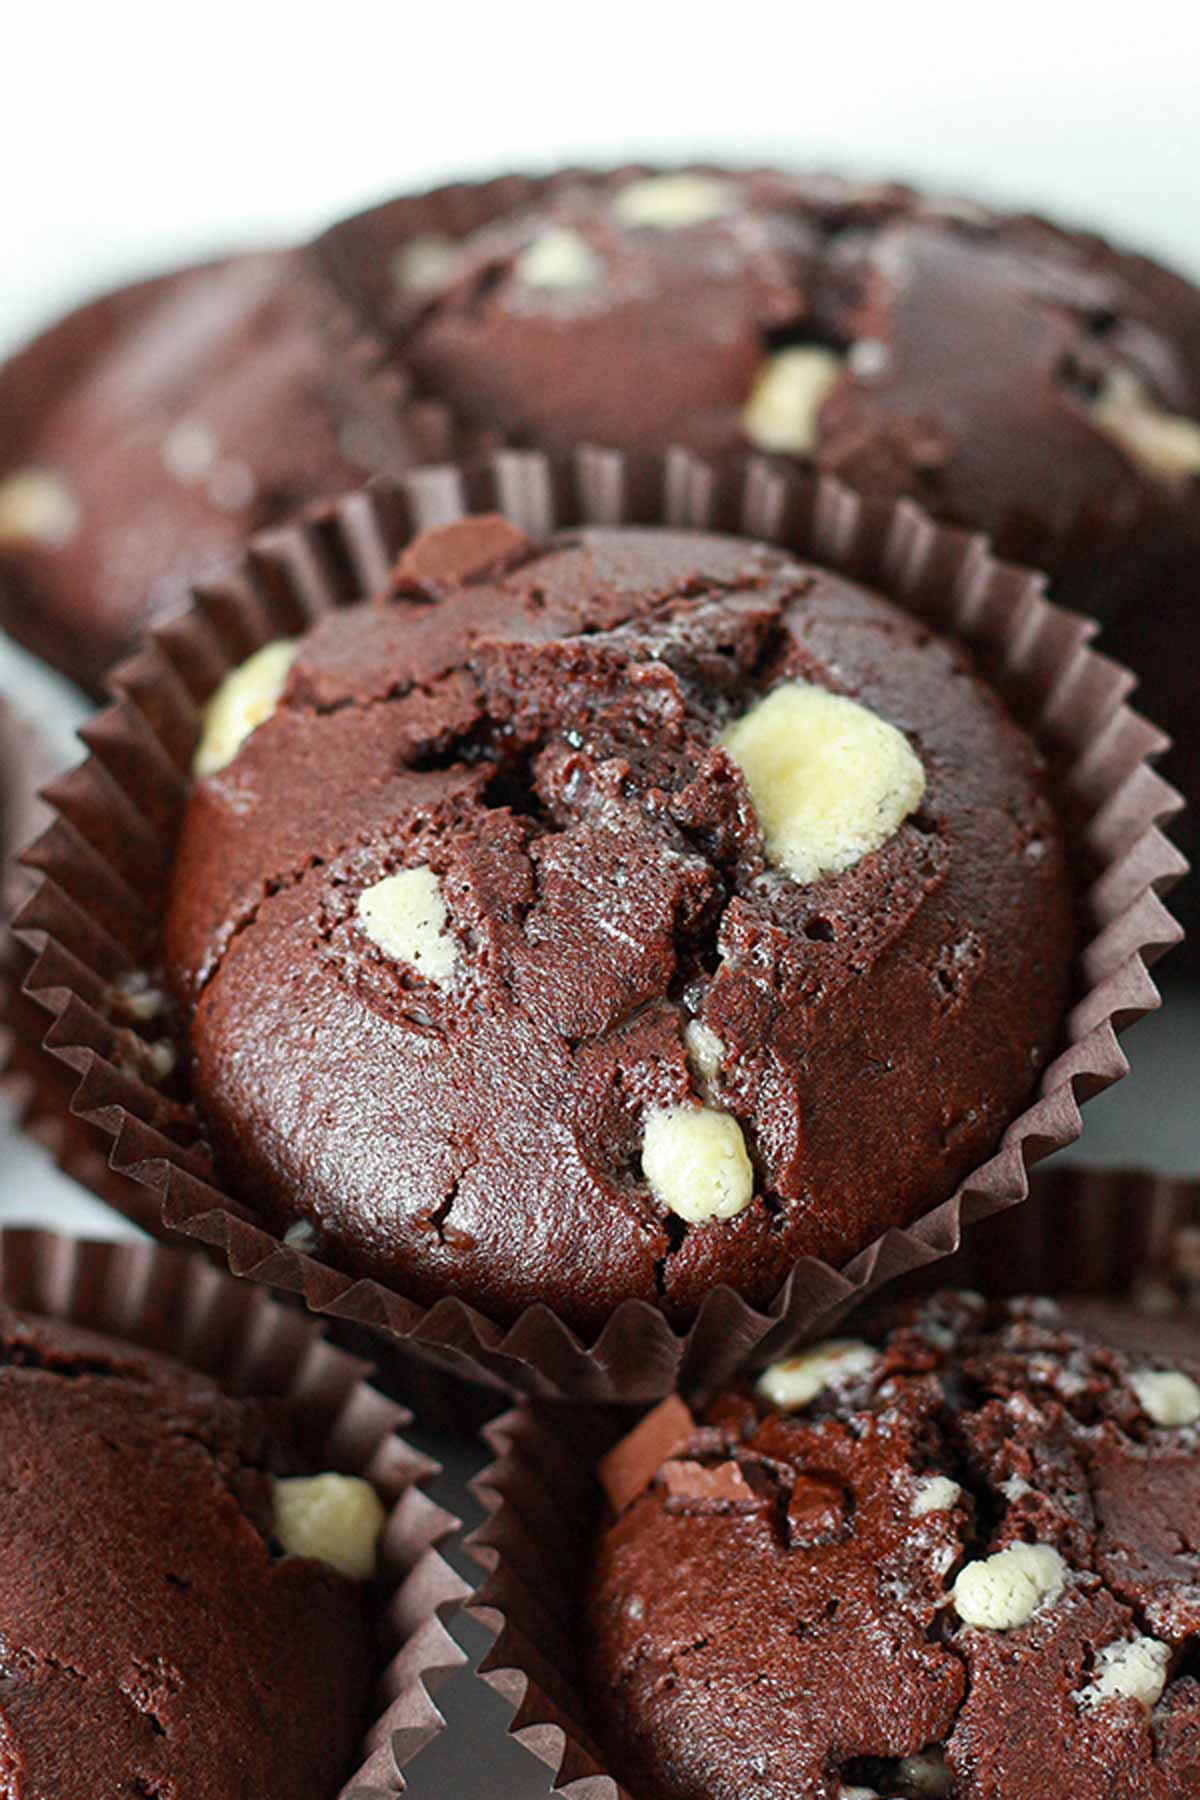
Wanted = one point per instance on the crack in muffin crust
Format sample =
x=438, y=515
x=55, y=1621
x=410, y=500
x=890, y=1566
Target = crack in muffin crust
x=537, y=735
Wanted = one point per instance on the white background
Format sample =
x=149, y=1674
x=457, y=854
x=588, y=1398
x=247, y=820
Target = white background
x=131, y=134
x=134, y=135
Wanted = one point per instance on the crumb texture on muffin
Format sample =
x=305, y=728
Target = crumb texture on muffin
x=1015, y=377
x=962, y=1566
x=611, y=919
x=157, y=1640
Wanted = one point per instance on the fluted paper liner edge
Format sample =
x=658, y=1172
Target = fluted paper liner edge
x=175, y=1302
x=111, y=843
x=356, y=285
x=1106, y=1234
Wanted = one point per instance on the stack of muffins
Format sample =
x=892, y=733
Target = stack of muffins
x=589, y=909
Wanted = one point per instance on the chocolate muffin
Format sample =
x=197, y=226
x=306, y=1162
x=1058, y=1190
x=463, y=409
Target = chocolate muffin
x=1017, y=378
x=210, y=407
x=957, y=1561
x=172, y=1618
x=32, y=1081
x=608, y=919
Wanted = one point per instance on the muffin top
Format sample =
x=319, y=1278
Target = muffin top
x=611, y=918
x=216, y=407
x=955, y=1562
x=1015, y=377
x=157, y=1639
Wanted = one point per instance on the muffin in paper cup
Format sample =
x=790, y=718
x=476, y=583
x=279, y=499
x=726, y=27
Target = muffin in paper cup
x=1096, y=1239
x=177, y=1304
x=36, y=1092
x=755, y=242
x=32, y=379
x=632, y=244
x=145, y=435
x=94, y=919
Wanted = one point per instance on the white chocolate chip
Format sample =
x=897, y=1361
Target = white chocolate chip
x=137, y=997
x=161, y=1059
x=336, y=1519
x=704, y=1052
x=302, y=1235
x=792, y=1384
x=695, y=1161
x=867, y=357
x=1167, y=1395
x=36, y=507
x=1005, y=1590
x=856, y=1793
x=669, y=202
x=189, y=450
x=830, y=780
x=423, y=263
x=936, y=1493
x=781, y=413
x=1133, y=1670
x=248, y=695
x=232, y=487
x=926, y=1775
x=1166, y=444
x=560, y=258
x=406, y=916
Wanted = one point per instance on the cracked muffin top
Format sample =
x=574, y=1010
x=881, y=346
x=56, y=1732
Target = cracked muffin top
x=166, y=1630
x=1016, y=378
x=612, y=918
x=955, y=1563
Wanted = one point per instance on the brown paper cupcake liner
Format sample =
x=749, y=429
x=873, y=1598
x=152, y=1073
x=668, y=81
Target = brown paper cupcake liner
x=35, y=1091
x=1102, y=1235
x=356, y=274
x=176, y=1303
x=106, y=856
x=32, y=1091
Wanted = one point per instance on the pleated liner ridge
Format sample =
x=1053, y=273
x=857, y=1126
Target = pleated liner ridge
x=104, y=861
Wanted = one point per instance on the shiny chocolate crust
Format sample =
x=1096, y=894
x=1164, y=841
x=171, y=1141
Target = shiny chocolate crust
x=778, y=1603
x=537, y=727
x=972, y=345
x=156, y=1642
x=156, y=438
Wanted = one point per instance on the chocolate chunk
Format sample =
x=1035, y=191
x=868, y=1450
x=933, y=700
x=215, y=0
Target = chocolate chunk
x=631, y=1466
x=469, y=550
x=694, y=1487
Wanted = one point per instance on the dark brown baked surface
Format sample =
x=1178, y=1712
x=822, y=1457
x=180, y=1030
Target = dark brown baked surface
x=972, y=347
x=537, y=728
x=155, y=1642
x=216, y=409
x=789, y=1604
